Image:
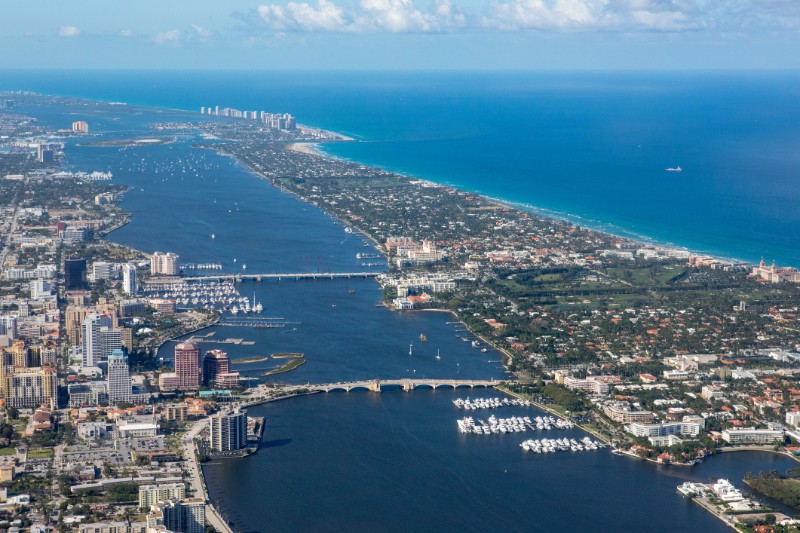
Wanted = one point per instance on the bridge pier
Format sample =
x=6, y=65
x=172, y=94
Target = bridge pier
x=408, y=386
x=375, y=386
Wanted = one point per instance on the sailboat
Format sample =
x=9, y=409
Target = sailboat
x=437, y=354
x=410, y=348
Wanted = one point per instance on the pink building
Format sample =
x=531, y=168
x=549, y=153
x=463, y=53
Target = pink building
x=188, y=366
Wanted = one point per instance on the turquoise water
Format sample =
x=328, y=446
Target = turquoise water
x=593, y=146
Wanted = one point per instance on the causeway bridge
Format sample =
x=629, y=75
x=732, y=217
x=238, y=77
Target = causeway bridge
x=288, y=275
x=378, y=385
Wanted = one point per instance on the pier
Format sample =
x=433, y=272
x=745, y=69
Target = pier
x=377, y=385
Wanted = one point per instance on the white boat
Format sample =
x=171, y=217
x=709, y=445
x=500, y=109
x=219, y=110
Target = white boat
x=234, y=310
x=675, y=169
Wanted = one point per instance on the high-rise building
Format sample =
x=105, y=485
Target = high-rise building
x=118, y=379
x=74, y=274
x=188, y=366
x=80, y=126
x=44, y=154
x=102, y=270
x=229, y=431
x=100, y=338
x=8, y=327
x=184, y=516
x=129, y=279
x=164, y=263
x=150, y=495
x=18, y=355
x=29, y=387
x=215, y=362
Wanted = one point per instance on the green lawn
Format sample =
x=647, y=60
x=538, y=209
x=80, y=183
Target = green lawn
x=7, y=451
x=44, y=453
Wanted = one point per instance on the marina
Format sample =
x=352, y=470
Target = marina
x=514, y=424
x=489, y=403
x=220, y=295
x=561, y=445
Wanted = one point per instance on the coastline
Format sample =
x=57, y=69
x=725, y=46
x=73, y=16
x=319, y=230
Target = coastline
x=607, y=228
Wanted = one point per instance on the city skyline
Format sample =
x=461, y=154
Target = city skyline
x=404, y=34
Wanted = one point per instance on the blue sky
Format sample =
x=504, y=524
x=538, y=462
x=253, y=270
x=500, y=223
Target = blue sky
x=401, y=34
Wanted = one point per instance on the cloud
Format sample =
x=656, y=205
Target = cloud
x=394, y=16
x=295, y=16
x=204, y=33
x=126, y=33
x=68, y=31
x=414, y=16
x=583, y=15
x=169, y=37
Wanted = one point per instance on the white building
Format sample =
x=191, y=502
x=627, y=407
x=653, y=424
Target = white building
x=118, y=379
x=129, y=279
x=164, y=263
x=100, y=338
x=102, y=270
x=752, y=436
x=793, y=418
x=8, y=327
x=41, y=288
x=229, y=431
x=150, y=495
x=640, y=429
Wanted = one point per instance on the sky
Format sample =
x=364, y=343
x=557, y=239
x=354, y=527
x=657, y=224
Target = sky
x=400, y=34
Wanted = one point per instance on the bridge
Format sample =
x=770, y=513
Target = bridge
x=296, y=276
x=378, y=385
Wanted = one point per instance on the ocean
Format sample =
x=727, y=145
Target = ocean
x=592, y=147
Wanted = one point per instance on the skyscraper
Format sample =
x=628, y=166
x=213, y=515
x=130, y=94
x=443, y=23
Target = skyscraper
x=118, y=379
x=8, y=326
x=75, y=274
x=129, y=279
x=164, y=263
x=100, y=338
x=229, y=431
x=215, y=362
x=187, y=366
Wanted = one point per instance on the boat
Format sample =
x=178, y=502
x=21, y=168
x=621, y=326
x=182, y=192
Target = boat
x=213, y=236
x=234, y=310
x=351, y=291
x=476, y=344
x=437, y=355
x=410, y=348
x=423, y=338
x=675, y=169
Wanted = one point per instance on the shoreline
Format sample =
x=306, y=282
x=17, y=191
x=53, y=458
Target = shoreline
x=543, y=212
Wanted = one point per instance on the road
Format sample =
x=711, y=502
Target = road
x=195, y=480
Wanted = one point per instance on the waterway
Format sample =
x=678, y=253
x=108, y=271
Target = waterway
x=359, y=461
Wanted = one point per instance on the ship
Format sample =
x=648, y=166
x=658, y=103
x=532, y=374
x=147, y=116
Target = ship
x=423, y=338
x=675, y=169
